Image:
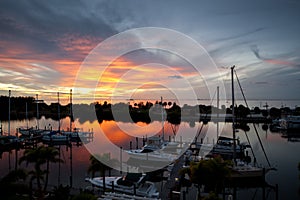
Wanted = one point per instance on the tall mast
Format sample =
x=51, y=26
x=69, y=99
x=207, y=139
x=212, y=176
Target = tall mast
x=70, y=109
x=9, y=92
x=37, y=110
x=58, y=110
x=218, y=102
x=233, y=116
x=162, y=119
x=26, y=114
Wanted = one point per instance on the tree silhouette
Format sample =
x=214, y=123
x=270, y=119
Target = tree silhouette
x=210, y=173
x=38, y=157
x=10, y=185
x=51, y=155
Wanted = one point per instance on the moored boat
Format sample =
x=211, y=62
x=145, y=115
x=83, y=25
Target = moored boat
x=132, y=183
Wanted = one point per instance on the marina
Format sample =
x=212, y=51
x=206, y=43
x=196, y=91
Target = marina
x=149, y=100
x=282, y=158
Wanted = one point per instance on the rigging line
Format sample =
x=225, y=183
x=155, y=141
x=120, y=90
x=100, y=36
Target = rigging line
x=205, y=117
x=253, y=197
x=260, y=142
x=250, y=145
x=198, y=134
x=173, y=129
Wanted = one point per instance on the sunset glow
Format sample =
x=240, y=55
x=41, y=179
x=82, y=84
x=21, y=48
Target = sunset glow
x=42, y=52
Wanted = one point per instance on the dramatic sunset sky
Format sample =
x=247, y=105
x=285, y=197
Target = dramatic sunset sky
x=43, y=43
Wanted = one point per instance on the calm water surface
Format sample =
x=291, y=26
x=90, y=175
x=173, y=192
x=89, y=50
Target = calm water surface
x=283, y=153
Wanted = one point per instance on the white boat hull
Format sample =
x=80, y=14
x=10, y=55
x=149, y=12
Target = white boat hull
x=146, y=189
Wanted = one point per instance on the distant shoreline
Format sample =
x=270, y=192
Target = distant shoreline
x=139, y=111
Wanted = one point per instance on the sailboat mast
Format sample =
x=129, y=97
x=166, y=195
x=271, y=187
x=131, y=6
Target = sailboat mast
x=9, y=92
x=58, y=108
x=37, y=111
x=70, y=109
x=233, y=116
x=218, y=102
x=162, y=119
x=26, y=114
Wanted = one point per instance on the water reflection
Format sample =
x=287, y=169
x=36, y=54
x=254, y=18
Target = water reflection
x=281, y=150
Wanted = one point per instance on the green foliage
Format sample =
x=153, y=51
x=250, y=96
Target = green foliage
x=84, y=196
x=210, y=173
x=212, y=196
x=10, y=184
x=61, y=192
x=38, y=157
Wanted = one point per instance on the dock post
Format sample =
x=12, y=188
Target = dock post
x=183, y=195
x=276, y=192
x=134, y=189
x=130, y=145
x=263, y=187
x=121, y=160
x=137, y=142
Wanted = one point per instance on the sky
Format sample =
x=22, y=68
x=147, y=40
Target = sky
x=43, y=45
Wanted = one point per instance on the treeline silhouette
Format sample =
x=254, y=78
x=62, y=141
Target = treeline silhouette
x=18, y=109
x=139, y=112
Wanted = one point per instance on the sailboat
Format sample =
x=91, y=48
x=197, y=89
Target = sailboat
x=55, y=137
x=77, y=134
x=240, y=168
x=33, y=132
x=8, y=141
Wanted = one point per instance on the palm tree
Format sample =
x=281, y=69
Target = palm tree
x=51, y=154
x=97, y=166
x=40, y=156
x=34, y=156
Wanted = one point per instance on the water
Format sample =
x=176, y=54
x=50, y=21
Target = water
x=282, y=152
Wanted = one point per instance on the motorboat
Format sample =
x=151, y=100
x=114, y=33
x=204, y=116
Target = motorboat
x=79, y=135
x=153, y=151
x=55, y=137
x=27, y=132
x=224, y=147
x=132, y=183
x=290, y=123
x=8, y=141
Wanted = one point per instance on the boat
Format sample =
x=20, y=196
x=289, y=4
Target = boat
x=79, y=135
x=131, y=183
x=223, y=147
x=240, y=168
x=55, y=137
x=28, y=132
x=246, y=170
x=157, y=149
x=290, y=123
x=8, y=142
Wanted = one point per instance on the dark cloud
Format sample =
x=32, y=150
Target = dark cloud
x=39, y=32
x=40, y=25
x=276, y=61
x=175, y=77
x=240, y=35
x=261, y=82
